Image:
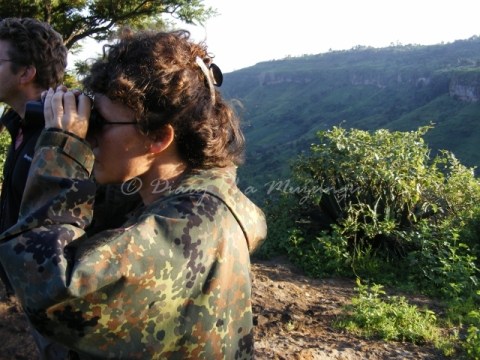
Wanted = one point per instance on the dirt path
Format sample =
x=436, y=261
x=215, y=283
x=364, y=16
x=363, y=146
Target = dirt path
x=293, y=316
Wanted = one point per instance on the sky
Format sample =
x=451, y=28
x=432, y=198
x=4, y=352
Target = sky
x=250, y=31
x=246, y=32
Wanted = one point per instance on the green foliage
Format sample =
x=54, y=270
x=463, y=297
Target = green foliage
x=444, y=265
x=328, y=254
x=4, y=143
x=472, y=341
x=372, y=314
x=99, y=19
x=383, y=209
x=372, y=184
x=71, y=81
x=279, y=212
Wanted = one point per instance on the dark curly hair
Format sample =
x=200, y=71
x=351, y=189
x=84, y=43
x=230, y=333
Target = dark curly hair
x=156, y=75
x=35, y=43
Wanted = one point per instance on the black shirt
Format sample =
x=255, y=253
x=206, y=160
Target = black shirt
x=17, y=165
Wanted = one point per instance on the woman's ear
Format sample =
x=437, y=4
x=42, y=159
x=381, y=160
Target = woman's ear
x=163, y=139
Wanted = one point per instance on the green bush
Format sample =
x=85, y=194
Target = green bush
x=387, y=211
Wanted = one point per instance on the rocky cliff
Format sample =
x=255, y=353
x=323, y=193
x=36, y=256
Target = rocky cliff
x=465, y=86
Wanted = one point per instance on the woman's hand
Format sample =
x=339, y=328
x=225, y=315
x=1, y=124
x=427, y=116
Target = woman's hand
x=67, y=110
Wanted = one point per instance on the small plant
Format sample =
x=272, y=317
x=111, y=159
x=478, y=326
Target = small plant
x=472, y=341
x=372, y=314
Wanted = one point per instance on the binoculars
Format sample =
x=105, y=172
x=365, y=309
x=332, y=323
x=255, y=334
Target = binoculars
x=34, y=113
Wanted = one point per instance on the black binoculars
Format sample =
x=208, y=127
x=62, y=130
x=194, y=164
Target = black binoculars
x=34, y=113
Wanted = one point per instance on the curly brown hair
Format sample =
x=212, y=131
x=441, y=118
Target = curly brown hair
x=156, y=75
x=35, y=43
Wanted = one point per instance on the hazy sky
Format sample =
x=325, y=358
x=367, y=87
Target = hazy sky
x=249, y=31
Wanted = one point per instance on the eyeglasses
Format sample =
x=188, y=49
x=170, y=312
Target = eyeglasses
x=97, y=122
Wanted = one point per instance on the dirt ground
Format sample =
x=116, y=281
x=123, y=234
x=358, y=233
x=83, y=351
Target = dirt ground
x=294, y=315
x=293, y=320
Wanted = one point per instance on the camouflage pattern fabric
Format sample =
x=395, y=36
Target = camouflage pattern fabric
x=172, y=283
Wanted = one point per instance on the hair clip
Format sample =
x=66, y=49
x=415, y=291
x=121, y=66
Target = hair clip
x=216, y=75
x=212, y=73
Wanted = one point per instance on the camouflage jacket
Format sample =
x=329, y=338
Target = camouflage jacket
x=172, y=283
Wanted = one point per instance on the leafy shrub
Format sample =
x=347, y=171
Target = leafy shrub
x=370, y=182
x=384, y=203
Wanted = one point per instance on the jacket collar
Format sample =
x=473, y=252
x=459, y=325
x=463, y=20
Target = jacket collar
x=12, y=121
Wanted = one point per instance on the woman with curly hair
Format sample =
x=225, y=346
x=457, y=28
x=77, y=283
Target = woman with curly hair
x=173, y=281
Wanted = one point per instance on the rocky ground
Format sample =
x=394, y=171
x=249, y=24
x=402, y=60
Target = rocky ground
x=293, y=320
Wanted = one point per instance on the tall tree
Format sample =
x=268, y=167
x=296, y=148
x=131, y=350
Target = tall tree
x=98, y=19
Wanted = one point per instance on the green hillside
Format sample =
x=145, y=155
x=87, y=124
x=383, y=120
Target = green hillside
x=285, y=102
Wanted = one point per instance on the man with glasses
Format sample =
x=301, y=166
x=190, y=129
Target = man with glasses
x=32, y=59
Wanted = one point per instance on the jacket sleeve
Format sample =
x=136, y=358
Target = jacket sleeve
x=56, y=207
